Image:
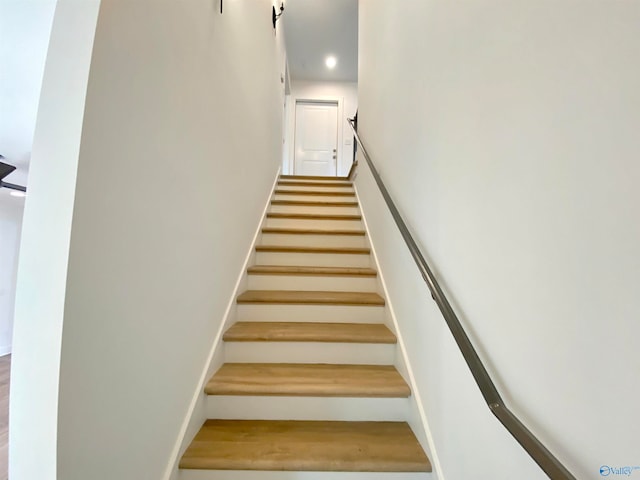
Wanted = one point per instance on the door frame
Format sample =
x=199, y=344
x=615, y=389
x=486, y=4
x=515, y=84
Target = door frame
x=291, y=106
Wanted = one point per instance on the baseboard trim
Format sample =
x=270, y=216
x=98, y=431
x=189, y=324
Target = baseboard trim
x=192, y=421
x=5, y=350
x=416, y=397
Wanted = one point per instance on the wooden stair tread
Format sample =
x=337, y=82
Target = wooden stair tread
x=317, y=193
x=310, y=203
x=305, y=446
x=294, y=297
x=306, y=249
x=313, y=216
x=313, y=177
x=303, y=183
x=311, y=271
x=309, y=332
x=308, y=380
x=311, y=231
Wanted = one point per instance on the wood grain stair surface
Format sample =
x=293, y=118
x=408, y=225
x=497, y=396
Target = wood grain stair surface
x=305, y=446
x=294, y=297
x=311, y=231
x=302, y=183
x=311, y=271
x=320, y=193
x=306, y=249
x=313, y=177
x=309, y=332
x=311, y=203
x=313, y=216
x=308, y=380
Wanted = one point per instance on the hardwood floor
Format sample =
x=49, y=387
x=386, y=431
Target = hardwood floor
x=5, y=367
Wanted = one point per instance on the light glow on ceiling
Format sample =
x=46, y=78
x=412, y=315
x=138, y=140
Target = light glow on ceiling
x=331, y=62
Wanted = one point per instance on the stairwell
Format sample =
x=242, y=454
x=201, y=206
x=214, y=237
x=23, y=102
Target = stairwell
x=309, y=382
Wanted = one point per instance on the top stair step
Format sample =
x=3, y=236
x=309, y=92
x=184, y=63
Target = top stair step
x=303, y=183
x=286, y=445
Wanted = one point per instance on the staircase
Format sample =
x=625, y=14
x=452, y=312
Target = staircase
x=309, y=383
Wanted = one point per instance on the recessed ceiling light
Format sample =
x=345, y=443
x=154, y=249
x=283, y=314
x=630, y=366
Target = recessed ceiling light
x=330, y=62
x=18, y=194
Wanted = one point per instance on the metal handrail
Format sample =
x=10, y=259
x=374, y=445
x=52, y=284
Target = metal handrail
x=540, y=454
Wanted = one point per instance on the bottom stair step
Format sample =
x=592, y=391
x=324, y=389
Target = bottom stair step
x=305, y=446
x=276, y=475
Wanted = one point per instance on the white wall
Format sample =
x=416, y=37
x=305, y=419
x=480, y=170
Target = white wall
x=11, y=209
x=44, y=248
x=25, y=26
x=180, y=144
x=507, y=132
x=347, y=96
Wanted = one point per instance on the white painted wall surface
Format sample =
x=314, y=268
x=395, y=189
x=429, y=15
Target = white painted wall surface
x=507, y=133
x=181, y=143
x=25, y=27
x=347, y=94
x=11, y=209
x=44, y=249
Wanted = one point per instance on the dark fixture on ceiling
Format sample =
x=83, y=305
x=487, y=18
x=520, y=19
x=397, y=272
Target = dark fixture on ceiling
x=275, y=16
x=6, y=169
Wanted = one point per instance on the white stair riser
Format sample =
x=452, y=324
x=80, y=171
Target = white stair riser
x=320, y=188
x=313, y=259
x=310, y=313
x=332, y=179
x=320, y=198
x=314, y=223
x=316, y=210
x=313, y=240
x=316, y=186
x=306, y=408
x=310, y=352
x=319, y=182
x=303, y=282
x=262, y=475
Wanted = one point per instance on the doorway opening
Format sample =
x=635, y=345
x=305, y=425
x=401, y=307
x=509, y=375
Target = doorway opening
x=322, y=69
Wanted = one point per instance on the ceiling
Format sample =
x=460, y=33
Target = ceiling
x=315, y=29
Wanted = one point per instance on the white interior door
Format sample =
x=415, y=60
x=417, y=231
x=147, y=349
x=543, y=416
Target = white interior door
x=316, y=139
